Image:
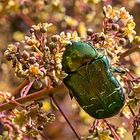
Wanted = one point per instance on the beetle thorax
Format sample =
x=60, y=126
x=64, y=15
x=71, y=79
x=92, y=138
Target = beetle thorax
x=76, y=55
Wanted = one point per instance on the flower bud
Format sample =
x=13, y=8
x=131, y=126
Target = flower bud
x=12, y=48
x=96, y=38
x=121, y=30
x=18, y=55
x=9, y=56
x=55, y=38
x=91, y=130
x=25, y=55
x=52, y=45
x=37, y=84
x=32, y=60
x=102, y=37
x=89, y=32
x=43, y=29
x=40, y=128
x=115, y=27
x=21, y=73
x=122, y=41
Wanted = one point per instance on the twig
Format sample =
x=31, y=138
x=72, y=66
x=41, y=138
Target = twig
x=95, y=125
x=129, y=51
x=132, y=112
x=27, y=88
x=20, y=87
x=32, y=97
x=111, y=129
x=26, y=19
x=44, y=136
x=55, y=102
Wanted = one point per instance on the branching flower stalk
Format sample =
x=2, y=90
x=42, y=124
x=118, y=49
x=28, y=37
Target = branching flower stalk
x=38, y=95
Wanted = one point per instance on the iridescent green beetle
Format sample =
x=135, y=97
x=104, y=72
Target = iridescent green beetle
x=91, y=81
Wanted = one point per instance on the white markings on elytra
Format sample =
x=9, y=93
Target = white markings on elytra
x=111, y=93
x=119, y=88
x=116, y=89
x=112, y=104
x=86, y=106
x=93, y=98
x=102, y=92
x=100, y=110
x=83, y=93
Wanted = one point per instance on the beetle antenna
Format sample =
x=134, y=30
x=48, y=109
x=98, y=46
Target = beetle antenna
x=63, y=114
x=111, y=129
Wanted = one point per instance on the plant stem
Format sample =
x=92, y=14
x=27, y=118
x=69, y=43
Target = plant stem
x=55, y=102
x=95, y=125
x=26, y=89
x=111, y=129
x=132, y=112
x=44, y=136
x=33, y=97
x=26, y=19
x=129, y=51
x=20, y=87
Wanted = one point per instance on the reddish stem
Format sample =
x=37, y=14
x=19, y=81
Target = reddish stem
x=32, y=97
x=67, y=120
x=95, y=124
x=44, y=136
x=27, y=88
x=129, y=51
x=26, y=19
x=20, y=87
x=112, y=130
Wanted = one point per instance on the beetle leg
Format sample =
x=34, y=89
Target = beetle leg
x=118, y=70
x=101, y=50
x=70, y=93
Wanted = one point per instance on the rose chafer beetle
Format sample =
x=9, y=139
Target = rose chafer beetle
x=91, y=81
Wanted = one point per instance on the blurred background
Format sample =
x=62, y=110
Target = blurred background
x=16, y=17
